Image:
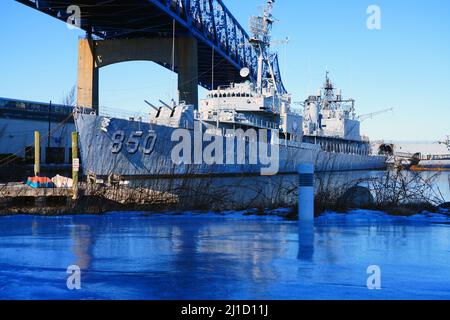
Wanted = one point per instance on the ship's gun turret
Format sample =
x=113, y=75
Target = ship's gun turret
x=176, y=116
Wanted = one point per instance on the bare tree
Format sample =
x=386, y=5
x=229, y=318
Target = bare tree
x=69, y=98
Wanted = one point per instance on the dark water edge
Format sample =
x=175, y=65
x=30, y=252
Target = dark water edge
x=230, y=256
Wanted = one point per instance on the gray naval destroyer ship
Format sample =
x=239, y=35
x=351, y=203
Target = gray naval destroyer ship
x=230, y=118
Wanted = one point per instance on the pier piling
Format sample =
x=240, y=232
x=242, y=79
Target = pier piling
x=37, y=153
x=40, y=202
x=306, y=192
x=5, y=202
x=75, y=164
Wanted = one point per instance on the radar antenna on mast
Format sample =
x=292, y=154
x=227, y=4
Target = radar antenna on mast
x=261, y=29
x=261, y=26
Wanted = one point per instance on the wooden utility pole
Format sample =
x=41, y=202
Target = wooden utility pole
x=49, y=125
x=37, y=153
x=75, y=164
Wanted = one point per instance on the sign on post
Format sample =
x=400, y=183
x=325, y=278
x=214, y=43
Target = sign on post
x=76, y=165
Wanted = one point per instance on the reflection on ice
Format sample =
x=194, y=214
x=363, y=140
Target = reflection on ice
x=306, y=240
x=132, y=256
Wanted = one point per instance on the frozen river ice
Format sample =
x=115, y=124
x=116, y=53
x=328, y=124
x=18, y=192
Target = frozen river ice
x=133, y=256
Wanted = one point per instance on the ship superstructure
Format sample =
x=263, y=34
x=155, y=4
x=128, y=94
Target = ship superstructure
x=262, y=104
x=331, y=121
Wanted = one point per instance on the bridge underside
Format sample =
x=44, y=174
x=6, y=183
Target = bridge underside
x=95, y=54
x=153, y=19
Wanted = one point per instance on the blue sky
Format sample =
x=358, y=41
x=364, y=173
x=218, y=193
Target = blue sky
x=405, y=65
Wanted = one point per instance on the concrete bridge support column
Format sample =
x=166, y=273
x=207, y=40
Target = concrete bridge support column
x=188, y=70
x=95, y=54
x=88, y=72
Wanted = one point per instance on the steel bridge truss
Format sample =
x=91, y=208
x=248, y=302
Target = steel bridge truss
x=209, y=21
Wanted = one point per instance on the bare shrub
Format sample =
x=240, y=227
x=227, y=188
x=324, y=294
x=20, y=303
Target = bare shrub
x=405, y=188
x=396, y=192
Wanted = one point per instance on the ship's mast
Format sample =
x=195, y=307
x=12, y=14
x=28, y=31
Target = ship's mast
x=328, y=94
x=261, y=28
x=332, y=101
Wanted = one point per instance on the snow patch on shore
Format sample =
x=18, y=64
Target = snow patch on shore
x=378, y=216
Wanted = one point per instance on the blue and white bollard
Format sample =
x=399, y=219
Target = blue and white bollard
x=306, y=192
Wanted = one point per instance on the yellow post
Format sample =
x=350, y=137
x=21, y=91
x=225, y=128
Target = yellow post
x=37, y=153
x=75, y=164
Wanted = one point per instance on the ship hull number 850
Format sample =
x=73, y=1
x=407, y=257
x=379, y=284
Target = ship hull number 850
x=134, y=142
